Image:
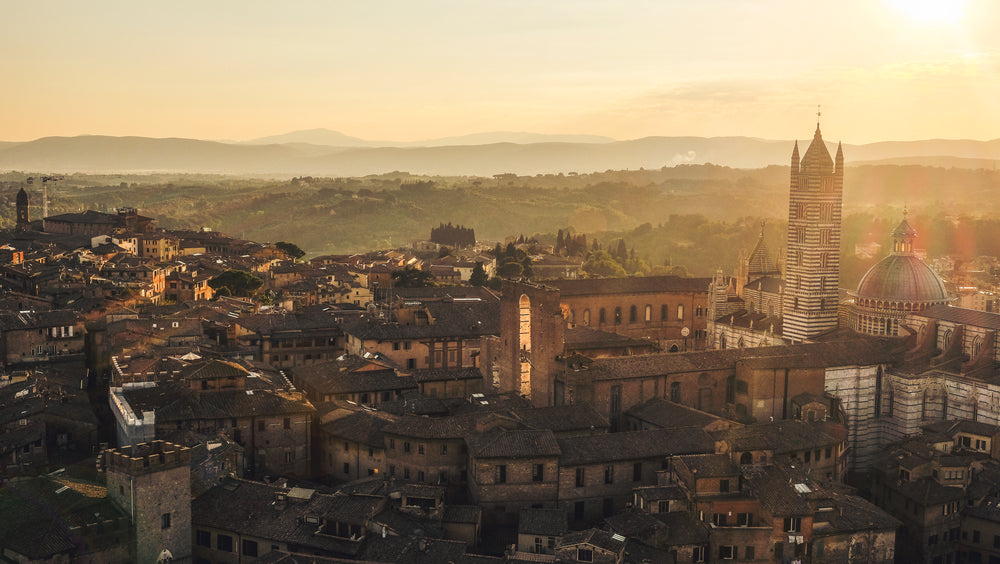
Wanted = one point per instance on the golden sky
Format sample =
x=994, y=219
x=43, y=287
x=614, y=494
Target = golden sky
x=408, y=70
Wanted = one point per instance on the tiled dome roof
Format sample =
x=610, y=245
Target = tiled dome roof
x=902, y=278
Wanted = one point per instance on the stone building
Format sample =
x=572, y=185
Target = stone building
x=151, y=483
x=898, y=285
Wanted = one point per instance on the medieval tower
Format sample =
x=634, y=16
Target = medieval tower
x=812, y=268
x=23, y=218
x=151, y=483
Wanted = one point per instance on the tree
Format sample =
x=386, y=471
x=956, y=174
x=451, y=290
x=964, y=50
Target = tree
x=602, y=264
x=238, y=283
x=510, y=269
x=290, y=249
x=412, y=277
x=478, y=276
x=444, y=251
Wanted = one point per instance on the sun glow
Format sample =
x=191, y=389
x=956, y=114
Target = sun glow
x=930, y=11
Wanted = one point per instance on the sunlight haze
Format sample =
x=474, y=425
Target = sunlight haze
x=406, y=71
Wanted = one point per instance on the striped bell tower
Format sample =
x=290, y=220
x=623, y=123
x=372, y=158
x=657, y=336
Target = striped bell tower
x=812, y=268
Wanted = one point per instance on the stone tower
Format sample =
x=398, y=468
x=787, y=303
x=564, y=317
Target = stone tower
x=151, y=483
x=23, y=219
x=532, y=331
x=812, y=267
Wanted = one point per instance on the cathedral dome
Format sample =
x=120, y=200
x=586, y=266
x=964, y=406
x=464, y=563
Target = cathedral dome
x=902, y=278
x=899, y=284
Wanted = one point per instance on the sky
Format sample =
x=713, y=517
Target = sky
x=408, y=70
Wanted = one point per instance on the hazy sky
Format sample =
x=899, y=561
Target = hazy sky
x=417, y=69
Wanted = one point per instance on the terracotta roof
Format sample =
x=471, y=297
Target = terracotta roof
x=519, y=443
x=637, y=285
x=633, y=445
x=542, y=522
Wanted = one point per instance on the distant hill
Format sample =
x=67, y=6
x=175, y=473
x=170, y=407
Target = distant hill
x=333, y=138
x=95, y=153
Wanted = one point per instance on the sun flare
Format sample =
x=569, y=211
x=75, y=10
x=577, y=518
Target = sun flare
x=930, y=11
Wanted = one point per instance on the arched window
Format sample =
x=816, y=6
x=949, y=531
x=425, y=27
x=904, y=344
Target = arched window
x=680, y=312
x=674, y=348
x=572, y=315
x=602, y=317
x=649, y=313
x=663, y=312
x=746, y=458
x=977, y=344
x=633, y=314
x=947, y=339
x=675, y=392
x=586, y=317
x=722, y=342
x=739, y=344
x=525, y=344
x=618, y=316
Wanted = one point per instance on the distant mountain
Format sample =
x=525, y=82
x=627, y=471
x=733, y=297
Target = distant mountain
x=99, y=153
x=327, y=137
x=508, y=137
x=142, y=154
x=333, y=138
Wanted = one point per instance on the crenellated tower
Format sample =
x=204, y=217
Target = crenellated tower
x=812, y=262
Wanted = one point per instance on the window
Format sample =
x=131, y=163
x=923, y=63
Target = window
x=744, y=519
x=724, y=486
x=420, y=475
x=586, y=317
x=609, y=474
x=249, y=548
x=580, y=477
x=584, y=554
x=406, y=473
x=675, y=392
x=602, y=316
x=727, y=552
x=680, y=312
x=698, y=554
x=406, y=446
x=975, y=537
x=392, y=444
x=203, y=538
x=793, y=524
x=637, y=472
x=165, y=521
x=261, y=425
x=420, y=448
x=347, y=446
x=501, y=474
x=395, y=346
x=649, y=313
x=224, y=543
x=537, y=472
x=347, y=468
x=663, y=312
x=608, y=505
x=633, y=314
x=719, y=519
x=287, y=423
x=444, y=449
x=618, y=316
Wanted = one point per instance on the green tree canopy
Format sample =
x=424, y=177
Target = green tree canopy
x=412, y=277
x=601, y=264
x=290, y=249
x=236, y=283
x=478, y=276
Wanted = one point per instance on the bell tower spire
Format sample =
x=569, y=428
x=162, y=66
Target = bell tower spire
x=812, y=266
